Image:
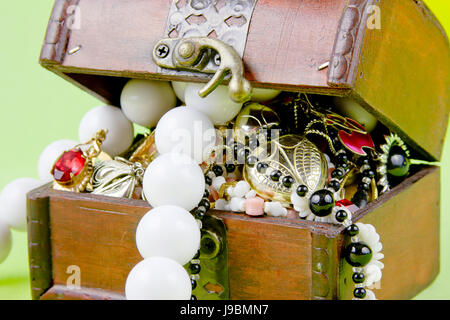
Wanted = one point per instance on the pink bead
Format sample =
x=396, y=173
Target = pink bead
x=213, y=194
x=254, y=206
x=292, y=214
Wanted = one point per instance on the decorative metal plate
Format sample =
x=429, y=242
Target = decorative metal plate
x=226, y=20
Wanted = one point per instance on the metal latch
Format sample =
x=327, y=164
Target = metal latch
x=206, y=55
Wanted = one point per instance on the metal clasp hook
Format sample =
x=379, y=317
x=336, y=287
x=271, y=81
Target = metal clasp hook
x=194, y=54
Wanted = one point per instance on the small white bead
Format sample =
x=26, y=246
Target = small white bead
x=250, y=194
x=218, y=182
x=220, y=204
x=241, y=189
x=237, y=204
x=274, y=209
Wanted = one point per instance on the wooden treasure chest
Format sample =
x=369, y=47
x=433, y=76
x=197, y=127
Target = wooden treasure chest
x=390, y=58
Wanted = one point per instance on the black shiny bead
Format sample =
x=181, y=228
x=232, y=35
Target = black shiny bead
x=208, y=180
x=335, y=185
x=369, y=173
x=230, y=167
x=358, y=277
x=197, y=255
x=287, y=181
x=363, y=186
x=362, y=161
x=321, y=203
x=358, y=254
x=302, y=190
x=359, y=293
x=193, y=298
x=205, y=203
x=341, y=216
x=193, y=284
x=341, y=158
x=206, y=193
x=275, y=175
x=343, y=165
x=251, y=161
x=217, y=170
x=352, y=230
x=199, y=213
x=262, y=167
x=194, y=268
x=398, y=162
x=337, y=174
x=360, y=198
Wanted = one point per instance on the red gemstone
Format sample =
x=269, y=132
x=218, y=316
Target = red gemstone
x=69, y=165
x=344, y=203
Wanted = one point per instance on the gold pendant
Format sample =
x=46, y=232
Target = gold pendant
x=292, y=155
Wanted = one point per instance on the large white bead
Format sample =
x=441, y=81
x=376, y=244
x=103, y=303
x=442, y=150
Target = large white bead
x=185, y=130
x=174, y=179
x=145, y=101
x=261, y=95
x=120, y=129
x=352, y=109
x=217, y=105
x=158, y=278
x=5, y=240
x=168, y=231
x=49, y=155
x=13, y=202
x=179, y=87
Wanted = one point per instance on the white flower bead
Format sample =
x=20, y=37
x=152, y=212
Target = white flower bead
x=370, y=295
x=241, y=189
x=335, y=210
x=237, y=204
x=250, y=194
x=275, y=209
x=373, y=274
x=221, y=204
x=368, y=234
x=218, y=182
x=300, y=202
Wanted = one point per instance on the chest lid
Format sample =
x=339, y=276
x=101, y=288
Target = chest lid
x=391, y=56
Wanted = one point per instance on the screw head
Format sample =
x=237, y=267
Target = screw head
x=186, y=50
x=162, y=51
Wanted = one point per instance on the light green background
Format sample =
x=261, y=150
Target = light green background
x=38, y=108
